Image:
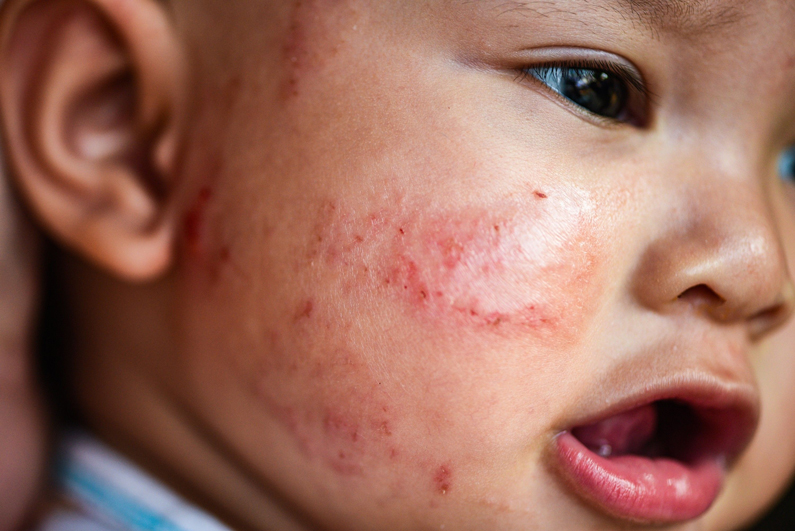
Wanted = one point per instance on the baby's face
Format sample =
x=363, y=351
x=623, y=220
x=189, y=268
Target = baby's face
x=495, y=265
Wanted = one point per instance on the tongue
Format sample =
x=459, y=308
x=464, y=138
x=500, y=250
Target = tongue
x=625, y=433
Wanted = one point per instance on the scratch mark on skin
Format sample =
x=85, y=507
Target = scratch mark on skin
x=295, y=48
x=194, y=226
x=315, y=34
x=212, y=257
x=443, y=480
x=305, y=311
x=343, y=426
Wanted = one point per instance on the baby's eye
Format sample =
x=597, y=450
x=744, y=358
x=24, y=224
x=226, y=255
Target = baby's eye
x=786, y=165
x=600, y=91
x=597, y=91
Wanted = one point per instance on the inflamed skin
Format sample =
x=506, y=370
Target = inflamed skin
x=422, y=265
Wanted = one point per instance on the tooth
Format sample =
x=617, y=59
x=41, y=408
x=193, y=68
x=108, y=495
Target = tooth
x=605, y=450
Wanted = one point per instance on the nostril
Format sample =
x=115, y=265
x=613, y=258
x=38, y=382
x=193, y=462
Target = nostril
x=702, y=295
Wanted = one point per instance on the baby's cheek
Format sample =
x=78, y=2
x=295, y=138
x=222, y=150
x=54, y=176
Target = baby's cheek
x=323, y=394
x=520, y=267
x=350, y=396
x=344, y=416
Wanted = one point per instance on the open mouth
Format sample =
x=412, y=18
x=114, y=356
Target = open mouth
x=662, y=462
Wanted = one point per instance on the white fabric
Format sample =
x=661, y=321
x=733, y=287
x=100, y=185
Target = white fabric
x=112, y=494
x=67, y=521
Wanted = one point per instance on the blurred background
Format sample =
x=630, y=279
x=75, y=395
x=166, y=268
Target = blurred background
x=781, y=517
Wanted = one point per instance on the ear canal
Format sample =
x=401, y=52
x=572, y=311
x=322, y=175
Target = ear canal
x=101, y=125
x=88, y=107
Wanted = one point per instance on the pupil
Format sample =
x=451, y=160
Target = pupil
x=597, y=91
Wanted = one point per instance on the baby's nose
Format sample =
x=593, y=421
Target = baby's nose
x=719, y=251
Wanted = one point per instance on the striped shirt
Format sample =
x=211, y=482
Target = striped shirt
x=109, y=493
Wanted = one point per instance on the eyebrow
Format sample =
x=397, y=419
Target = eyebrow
x=659, y=16
x=685, y=16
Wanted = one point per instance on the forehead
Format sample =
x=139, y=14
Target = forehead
x=682, y=16
x=693, y=20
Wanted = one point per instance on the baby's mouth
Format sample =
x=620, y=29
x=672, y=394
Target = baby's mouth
x=661, y=462
x=664, y=429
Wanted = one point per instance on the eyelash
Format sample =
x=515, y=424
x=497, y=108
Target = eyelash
x=638, y=93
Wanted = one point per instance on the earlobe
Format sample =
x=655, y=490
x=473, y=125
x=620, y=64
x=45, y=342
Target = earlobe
x=91, y=93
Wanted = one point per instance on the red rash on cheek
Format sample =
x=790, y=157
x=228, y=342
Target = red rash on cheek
x=201, y=244
x=519, y=267
x=305, y=311
x=443, y=479
x=332, y=406
x=194, y=226
x=324, y=395
x=294, y=50
x=522, y=266
x=313, y=37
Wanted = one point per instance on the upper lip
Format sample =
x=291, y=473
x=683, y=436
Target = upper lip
x=728, y=409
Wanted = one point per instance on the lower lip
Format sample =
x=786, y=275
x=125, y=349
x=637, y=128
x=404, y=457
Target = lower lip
x=639, y=488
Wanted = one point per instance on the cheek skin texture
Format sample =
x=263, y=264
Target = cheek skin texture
x=522, y=266
x=525, y=268
x=397, y=339
x=340, y=418
x=315, y=26
x=396, y=309
x=194, y=225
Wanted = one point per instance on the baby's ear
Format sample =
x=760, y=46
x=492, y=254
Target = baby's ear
x=92, y=97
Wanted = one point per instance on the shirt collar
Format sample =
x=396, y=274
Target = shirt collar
x=111, y=488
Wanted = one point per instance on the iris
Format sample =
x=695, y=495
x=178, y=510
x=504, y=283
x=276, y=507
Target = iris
x=786, y=165
x=597, y=91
